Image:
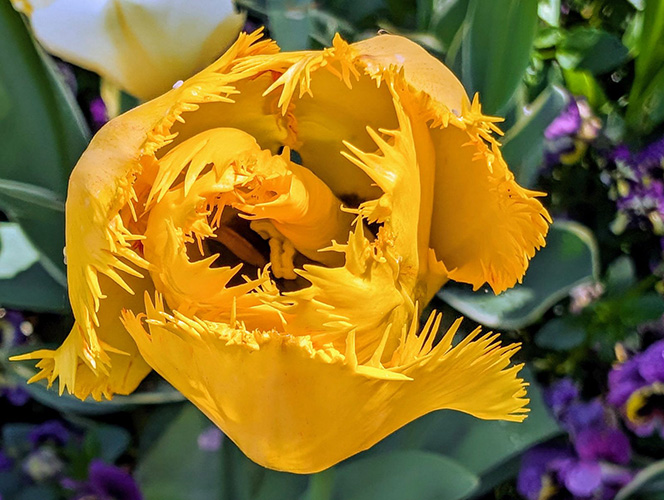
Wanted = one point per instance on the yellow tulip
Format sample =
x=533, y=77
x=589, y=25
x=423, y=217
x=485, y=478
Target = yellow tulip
x=142, y=46
x=281, y=291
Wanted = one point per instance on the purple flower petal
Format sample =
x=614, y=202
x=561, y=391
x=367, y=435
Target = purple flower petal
x=624, y=379
x=51, y=430
x=581, y=415
x=16, y=395
x=581, y=478
x=6, y=462
x=109, y=482
x=651, y=363
x=566, y=123
x=603, y=444
x=535, y=464
x=559, y=396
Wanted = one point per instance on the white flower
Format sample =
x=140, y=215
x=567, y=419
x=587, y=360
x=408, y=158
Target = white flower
x=142, y=46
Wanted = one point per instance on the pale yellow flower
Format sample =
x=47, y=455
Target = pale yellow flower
x=282, y=297
x=142, y=46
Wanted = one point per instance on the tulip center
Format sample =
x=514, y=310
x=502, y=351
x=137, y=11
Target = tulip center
x=221, y=209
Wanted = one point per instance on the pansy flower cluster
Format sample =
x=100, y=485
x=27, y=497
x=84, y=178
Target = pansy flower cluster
x=48, y=456
x=636, y=387
x=594, y=466
x=639, y=187
x=568, y=136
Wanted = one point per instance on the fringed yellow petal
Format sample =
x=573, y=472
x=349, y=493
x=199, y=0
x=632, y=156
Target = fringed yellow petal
x=292, y=406
x=395, y=54
x=117, y=368
x=485, y=227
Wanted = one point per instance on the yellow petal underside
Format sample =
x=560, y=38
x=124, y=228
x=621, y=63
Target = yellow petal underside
x=117, y=369
x=292, y=406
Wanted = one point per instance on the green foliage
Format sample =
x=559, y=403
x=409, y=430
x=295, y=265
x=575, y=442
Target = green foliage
x=591, y=49
x=24, y=283
x=19, y=372
x=568, y=260
x=496, y=49
x=523, y=144
x=459, y=437
x=648, y=484
x=625, y=305
x=430, y=477
x=646, y=98
x=35, y=108
x=290, y=23
x=204, y=474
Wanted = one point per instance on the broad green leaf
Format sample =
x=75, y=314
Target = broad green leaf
x=290, y=23
x=162, y=393
x=568, y=260
x=620, y=276
x=43, y=135
x=243, y=479
x=489, y=449
x=561, y=334
x=399, y=475
x=523, y=144
x=16, y=253
x=646, y=99
x=591, y=49
x=645, y=484
x=34, y=290
x=107, y=442
x=447, y=19
x=174, y=467
x=496, y=49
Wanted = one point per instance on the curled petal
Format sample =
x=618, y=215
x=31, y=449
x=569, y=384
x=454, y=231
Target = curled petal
x=315, y=405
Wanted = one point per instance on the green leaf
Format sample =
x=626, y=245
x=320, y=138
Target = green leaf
x=561, y=334
x=290, y=23
x=620, y=276
x=568, y=260
x=447, y=19
x=16, y=253
x=489, y=449
x=584, y=83
x=591, y=49
x=523, y=144
x=496, y=49
x=43, y=136
x=647, y=481
x=400, y=475
x=197, y=474
x=20, y=372
x=648, y=63
x=109, y=442
x=35, y=290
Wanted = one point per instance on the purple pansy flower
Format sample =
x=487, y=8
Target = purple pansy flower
x=636, y=385
x=16, y=395
x=51, y=430
x=6, y=462
x=565, y=124
x=105, y=482
x=593, y=466
x=538, y=469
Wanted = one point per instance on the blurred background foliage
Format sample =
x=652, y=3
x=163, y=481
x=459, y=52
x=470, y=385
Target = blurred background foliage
x=581, y=86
